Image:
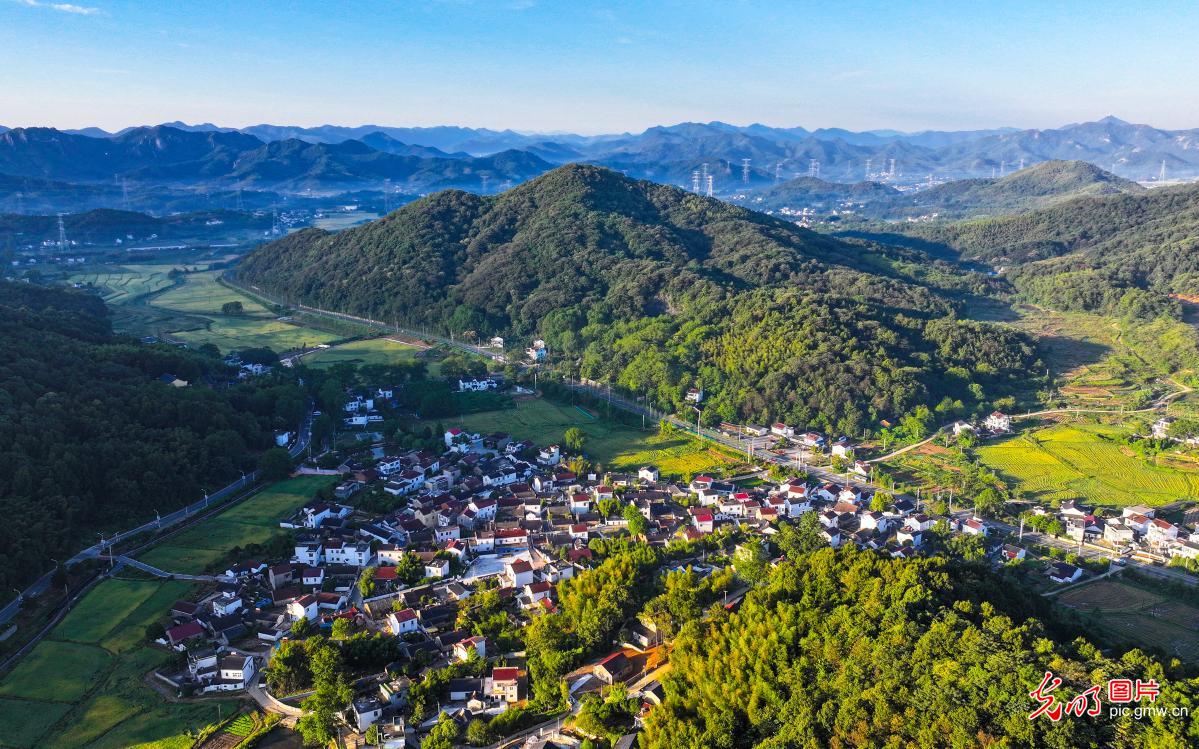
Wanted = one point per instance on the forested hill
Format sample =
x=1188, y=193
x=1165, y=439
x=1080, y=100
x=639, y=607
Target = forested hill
x=659, y=289
x=1037, y=186
x=851, y=649
x=1090, y=253
x=91, y=440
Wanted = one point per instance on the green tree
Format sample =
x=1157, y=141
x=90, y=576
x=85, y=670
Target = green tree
x=342, y=629
x=443, y=735
x=574, y=439
x=232, y=308
x=638, y=525
x=275, y=464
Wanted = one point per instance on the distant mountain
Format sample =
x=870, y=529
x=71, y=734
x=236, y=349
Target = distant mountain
x=384, y=142
x=166, y=155
x=1038, y=185
x=1034, y=187
x=650, y=285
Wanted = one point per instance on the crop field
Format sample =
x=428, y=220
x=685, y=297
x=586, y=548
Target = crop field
x=1081, y=461
x=254, y=521
x=120, y=284
x=611, y=444
x=1129, y=613
x=96, y=615
x=201, y=296
x=372, y=351
x=72, y=692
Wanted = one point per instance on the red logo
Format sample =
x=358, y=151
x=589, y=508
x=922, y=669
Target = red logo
x=1088, y=702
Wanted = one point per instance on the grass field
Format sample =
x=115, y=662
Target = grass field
x=200, y=297
x=614, y=446
x=1074, y=461
x=1128, y=613
x=372, y=351
x=84, y=687
x=55, y=672
x=254, y=521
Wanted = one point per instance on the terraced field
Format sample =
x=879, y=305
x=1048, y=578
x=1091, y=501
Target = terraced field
x=371, y=351
x=122, y=284
x=1081, y=461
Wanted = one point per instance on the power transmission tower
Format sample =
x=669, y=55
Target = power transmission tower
x=745, y=171
x=868, y=164
x=62, y=235
x=486, y=179
x=125, y=193
x=710, y=185
x=778, y=172
x=695, y=180
x=1161, y=176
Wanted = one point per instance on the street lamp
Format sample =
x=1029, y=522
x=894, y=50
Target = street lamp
x=157, y=519
x=698, y=412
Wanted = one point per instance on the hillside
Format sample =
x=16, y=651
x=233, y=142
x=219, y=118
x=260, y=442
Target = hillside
x=92, y=440
x=1034, y=187
x=658, y=289
x=850, y=649
x=1088, y=253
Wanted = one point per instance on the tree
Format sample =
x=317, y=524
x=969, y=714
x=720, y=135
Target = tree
x=275, y=464
x=574, y=439
x=478, y=732
x=366, y=583
x=341, y=629
x=232, y=308
x=372, y=735
x=301, y=628
x=638, y=525
x=880, y=501
x=800, y=538
x=443, y=734
x=988, y=502
x=750, y=562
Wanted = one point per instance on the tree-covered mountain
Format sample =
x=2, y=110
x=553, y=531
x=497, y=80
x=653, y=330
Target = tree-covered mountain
x=1089, y=253
x=658, y=289
x=1036, y=186
x=851, y=649
x=90, y=439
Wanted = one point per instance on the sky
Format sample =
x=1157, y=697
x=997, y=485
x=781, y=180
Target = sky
x=588, y=66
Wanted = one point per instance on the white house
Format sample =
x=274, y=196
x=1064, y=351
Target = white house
x=236, y=671
x=464, y=648
x=648, y=473
x=402, y=622
x=365, y=712
x=437, y=568
x=998, y=422
x=304, y=607
x=694, y=395
x=310, y=553
x=477, y=386
x=1060, y=572
x=1161, y=531
x=782, y=430
x=519, y=572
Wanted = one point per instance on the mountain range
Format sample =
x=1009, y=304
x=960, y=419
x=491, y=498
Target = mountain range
x=738, y=160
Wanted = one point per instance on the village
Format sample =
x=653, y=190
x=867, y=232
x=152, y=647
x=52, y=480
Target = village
x=491, y=513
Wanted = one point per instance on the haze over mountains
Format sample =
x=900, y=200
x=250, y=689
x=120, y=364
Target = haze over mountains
x=334, y=158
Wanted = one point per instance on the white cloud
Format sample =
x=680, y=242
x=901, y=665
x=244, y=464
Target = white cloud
x=78, y=10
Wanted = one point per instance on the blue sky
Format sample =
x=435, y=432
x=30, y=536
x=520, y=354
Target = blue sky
x=595, y=67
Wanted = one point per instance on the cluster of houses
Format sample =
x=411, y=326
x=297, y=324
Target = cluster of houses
x=1136, y=531
x=362, y=407
x=491, y=512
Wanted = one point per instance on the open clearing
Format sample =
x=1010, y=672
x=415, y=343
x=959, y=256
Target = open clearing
x=612, y=445
x=254, y=521
x=371, y=351
x=96, y=615
x=1128, y=613
x=55, y=671
x=1081, y=461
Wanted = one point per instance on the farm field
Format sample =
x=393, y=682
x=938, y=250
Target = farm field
x=119, y=284
x=200, y=297
x=1081, y=461
x=612, y=445
x=1129, y=613
x=83, y=686
x=371, y=351
x=254, y=521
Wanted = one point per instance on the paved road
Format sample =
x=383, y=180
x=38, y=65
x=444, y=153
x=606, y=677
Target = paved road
x=162, y=573
x=94, y=551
